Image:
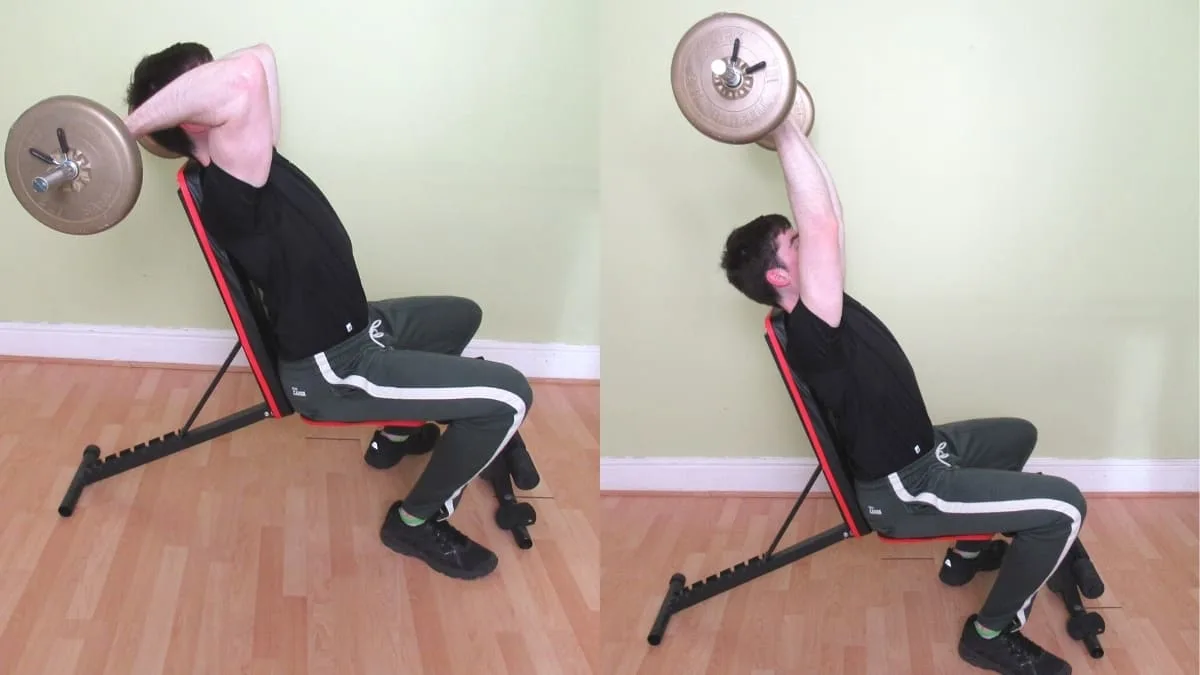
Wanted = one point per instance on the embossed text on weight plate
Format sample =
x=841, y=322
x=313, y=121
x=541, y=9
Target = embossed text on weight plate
x=739, y=119
x=720, y=41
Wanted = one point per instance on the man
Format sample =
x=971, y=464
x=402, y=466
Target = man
x=341, y=357
x=913, y=479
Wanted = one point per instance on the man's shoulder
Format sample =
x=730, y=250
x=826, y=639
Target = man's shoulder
x=803, y=320
x=813, y=345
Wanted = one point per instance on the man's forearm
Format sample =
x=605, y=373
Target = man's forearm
x=203, y=95
x=810, y=194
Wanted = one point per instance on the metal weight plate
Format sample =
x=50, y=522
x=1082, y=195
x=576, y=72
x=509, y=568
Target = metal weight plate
x=73, y=165
x=803, y=113
x=733, y=78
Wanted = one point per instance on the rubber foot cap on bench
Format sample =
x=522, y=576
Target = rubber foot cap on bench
x=513, y=515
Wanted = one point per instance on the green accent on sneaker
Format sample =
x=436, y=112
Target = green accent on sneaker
x=967, y=555
x=395, y=438
x=985, y=633
x=410, y=520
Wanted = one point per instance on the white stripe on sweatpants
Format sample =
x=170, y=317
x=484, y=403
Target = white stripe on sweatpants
x=434, y=394
x=1007, y=506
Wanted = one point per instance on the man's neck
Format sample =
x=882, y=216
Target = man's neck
x=788, y=301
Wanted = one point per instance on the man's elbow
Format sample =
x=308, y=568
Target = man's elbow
x=243, y=80
x=266, y=55
x=823, y=226
x=247, y=74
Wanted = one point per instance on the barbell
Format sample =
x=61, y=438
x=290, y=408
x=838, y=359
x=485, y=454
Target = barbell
x=735, y=81
x=73, y=165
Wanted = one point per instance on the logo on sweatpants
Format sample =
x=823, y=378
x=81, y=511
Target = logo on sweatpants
x=874, y=511
x=940, y=453
x=296, y=391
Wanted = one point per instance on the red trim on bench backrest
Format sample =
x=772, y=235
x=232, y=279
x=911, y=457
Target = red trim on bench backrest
x=819, y=450
x=395, y=423
x=798, y=401
x=947, y=537
x=202, y=236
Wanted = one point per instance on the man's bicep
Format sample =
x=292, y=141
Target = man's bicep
x=821, y=276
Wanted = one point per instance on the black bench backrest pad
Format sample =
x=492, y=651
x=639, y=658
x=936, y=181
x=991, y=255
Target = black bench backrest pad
x=818, y=427
x=242, y=298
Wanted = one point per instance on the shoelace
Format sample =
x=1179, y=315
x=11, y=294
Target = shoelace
x=1022, y=647
x=448, y=535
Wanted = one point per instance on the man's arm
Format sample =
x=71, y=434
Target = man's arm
x=210, y=95
x=229, y=96
x=837, y=209
x=817, y=213
x=266, y=56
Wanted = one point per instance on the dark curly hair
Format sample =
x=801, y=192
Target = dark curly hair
x=750, y=251
x=156, y=71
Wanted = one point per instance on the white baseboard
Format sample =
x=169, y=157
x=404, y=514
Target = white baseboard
x=196, y=346
x=789, y=475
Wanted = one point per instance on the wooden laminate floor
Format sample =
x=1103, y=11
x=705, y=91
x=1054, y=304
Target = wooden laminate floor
x=258, y=552
x=862, y=607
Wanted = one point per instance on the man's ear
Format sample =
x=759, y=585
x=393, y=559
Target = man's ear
x=778, y=277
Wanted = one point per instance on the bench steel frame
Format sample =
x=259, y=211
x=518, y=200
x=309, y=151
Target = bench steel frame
x=1075, y=576
x=249, y=318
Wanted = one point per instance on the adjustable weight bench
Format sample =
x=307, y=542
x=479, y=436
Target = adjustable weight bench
x=1074, y=576
x=249, y=317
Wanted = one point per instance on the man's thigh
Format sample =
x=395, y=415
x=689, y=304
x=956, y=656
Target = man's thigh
x=433, y=323
x=950, y=501
x=991, y=442
x=394, y=385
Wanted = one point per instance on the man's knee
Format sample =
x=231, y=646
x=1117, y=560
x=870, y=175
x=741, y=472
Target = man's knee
x=466, y=313
x=1014, y=438
x=1019, y=432
x=519, y=385
x=1080, y=503
x=518, y=392
x=1066, y=493
x=1026, y=432
x=471, y=311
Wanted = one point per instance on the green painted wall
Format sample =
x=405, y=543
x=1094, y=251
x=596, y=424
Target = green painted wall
x=1019, y=182
x=457, y=140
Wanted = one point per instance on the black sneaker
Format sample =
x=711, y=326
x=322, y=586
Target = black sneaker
x=1010, y=653
x=384, y=453
x=439, y=544
x=957, y=570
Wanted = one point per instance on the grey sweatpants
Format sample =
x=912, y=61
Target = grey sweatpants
x=973, y=483
x=408, y=366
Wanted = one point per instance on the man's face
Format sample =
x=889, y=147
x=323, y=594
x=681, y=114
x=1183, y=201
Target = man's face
x=198, y=135
x=787, y=251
